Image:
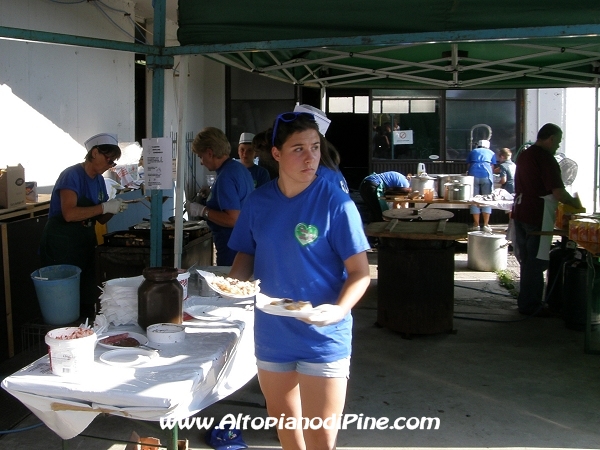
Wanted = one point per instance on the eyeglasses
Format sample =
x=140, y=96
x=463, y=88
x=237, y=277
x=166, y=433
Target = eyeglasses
x=111, y=162
x=287, y=118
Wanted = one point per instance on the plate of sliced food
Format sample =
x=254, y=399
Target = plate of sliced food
x=120, y=339
x=284, y=307
x=230, y=287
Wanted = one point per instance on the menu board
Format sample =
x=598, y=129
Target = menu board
x=158, y=163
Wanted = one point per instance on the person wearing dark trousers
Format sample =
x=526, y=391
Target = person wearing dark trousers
x=79, y=200
x=372, y=189
x=538, y=189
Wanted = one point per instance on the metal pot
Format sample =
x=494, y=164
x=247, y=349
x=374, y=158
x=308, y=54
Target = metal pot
x=453, y=178
x=422, y=182
x=457, y=192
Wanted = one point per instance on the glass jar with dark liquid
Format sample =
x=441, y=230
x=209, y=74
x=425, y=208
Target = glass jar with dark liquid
x=160, y=297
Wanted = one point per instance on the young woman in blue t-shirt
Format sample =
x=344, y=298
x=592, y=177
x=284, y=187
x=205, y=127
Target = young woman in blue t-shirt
x=302, y=236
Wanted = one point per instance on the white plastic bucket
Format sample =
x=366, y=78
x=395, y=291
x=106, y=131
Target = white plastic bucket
x=486, y=252
x=70, y=356
x=184, y=280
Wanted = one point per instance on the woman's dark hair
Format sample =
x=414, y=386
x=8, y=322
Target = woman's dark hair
x=111, y=151
x=330, y=157
x=284, y=128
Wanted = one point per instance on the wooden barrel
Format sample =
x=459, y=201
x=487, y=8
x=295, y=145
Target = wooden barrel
x=415, y=285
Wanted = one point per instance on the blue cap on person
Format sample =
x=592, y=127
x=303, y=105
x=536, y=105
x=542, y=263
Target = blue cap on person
x=246, y=138
x=222, y=439
x=101, y=139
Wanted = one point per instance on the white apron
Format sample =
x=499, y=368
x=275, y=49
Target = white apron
x=548, y=220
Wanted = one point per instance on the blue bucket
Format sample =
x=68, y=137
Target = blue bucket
x=57, y=289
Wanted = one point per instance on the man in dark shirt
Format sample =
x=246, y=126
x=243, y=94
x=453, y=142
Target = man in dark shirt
x=538, y=188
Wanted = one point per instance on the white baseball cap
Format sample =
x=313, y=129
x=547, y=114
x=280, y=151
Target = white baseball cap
x=483, y=143
x=101, y=139
x=322, y=120
x=246, y=138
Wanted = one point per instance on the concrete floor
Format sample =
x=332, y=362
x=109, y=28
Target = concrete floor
x=501, y=380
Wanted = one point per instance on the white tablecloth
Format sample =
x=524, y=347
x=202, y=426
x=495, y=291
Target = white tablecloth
x=214, y=360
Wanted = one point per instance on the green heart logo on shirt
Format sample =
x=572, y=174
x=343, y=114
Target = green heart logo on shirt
x=306, y=233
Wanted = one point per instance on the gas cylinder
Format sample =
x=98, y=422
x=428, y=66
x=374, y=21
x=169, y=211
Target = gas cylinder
x=558, y=255
x=575, y=291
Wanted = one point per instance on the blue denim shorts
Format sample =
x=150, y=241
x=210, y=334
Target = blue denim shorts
x=334, y=369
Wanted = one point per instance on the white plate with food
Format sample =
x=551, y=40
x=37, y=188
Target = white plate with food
x=207, y=312
x=128, y=357
x=122, y=339
x=230, y=287
x=284, y=307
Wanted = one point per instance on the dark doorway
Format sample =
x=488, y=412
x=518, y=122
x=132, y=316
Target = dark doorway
x=349, y=133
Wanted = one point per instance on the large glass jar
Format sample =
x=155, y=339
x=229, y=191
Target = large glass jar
x=160, y=297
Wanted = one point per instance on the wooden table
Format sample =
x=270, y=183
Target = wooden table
x=440, y=202
x=415, y=286
x=416, y=214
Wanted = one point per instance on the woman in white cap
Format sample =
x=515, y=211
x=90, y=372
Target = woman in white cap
x=303, y=238
x=480, y=165
x=79, y=200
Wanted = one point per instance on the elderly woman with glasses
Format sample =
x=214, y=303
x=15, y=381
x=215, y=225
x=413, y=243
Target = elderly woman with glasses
x=227, y=195
x=302, y=236
x=79, y=200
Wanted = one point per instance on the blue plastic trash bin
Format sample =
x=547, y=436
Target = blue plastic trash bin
x=57, y=289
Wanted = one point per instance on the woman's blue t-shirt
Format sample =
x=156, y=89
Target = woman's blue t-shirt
x=300, y=245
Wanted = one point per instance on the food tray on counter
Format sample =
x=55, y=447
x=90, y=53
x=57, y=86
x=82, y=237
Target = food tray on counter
x=140, y=238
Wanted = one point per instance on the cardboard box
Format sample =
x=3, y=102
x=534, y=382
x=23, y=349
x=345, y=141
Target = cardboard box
x=12, y=187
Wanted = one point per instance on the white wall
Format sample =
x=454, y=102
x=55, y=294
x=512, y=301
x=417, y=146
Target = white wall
x=55, y=97
x=543, y=106
x=579, y=140
x=52, y=98
x=573, y=109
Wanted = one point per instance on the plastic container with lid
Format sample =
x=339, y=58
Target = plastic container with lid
x=160, y=297
x=71, y=350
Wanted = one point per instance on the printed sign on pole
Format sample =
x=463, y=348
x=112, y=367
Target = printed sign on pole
x=158, y=163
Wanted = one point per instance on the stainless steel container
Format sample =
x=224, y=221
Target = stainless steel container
x=458, y=192
x=456, y=178
x=420, y=183
x=486, y=252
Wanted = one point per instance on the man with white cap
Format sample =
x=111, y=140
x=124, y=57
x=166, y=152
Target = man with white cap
x=79, y=200
x=247, y=153
x=480, y=165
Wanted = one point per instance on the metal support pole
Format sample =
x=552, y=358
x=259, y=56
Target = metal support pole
x=158, y=106
x=181, y=157
x=596, y=158
x=172, y=445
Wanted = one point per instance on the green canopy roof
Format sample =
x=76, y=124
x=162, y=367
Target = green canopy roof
x=401, y=44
